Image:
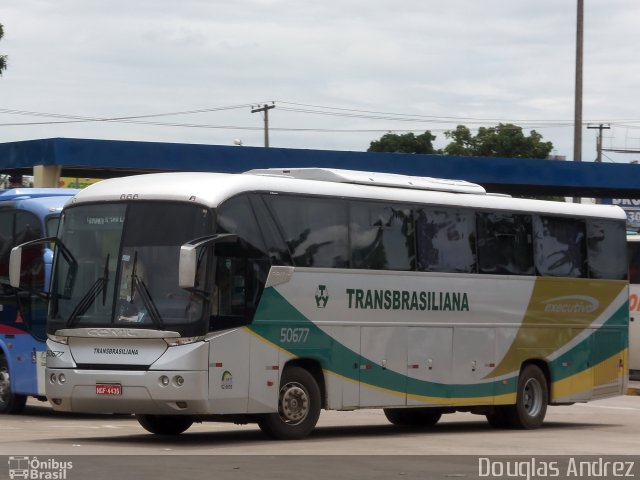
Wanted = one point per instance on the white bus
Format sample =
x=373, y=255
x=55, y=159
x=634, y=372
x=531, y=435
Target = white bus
x=268, y=296
x=633, y=243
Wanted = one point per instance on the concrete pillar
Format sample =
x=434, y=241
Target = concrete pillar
x=46, y=175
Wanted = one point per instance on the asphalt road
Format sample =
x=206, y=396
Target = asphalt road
x=360, y=444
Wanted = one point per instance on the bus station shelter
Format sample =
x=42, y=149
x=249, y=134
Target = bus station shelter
x=48, y=159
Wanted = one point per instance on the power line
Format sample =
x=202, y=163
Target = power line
x=309, y=109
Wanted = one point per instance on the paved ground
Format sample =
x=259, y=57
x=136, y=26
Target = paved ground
x=605, y=429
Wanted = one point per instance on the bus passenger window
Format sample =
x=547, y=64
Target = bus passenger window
x=446, y=240
x=559, y=247
x=505, y=244
x=606, y=248
x=381, y=236
x=315, y=229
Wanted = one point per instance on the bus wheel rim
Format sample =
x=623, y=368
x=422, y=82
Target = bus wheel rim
x=532, y=397
x=5, y=386
x=294, y=403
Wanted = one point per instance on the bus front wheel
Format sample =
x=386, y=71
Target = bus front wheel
x=165, y=424
x=10, y=402
x=298, y=406
x=531, y=400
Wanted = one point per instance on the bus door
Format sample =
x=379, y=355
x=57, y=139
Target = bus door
x=234, y=374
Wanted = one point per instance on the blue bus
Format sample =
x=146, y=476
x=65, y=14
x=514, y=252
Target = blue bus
x=25, y=214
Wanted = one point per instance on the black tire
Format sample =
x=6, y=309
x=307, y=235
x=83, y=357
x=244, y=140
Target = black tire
x=498, y=418
x=165, y=424
x=10, y=403
x=413, y=417
x=531, y=401
x=299, y=405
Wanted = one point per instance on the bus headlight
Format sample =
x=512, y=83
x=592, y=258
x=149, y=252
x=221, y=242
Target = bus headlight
x=58, y=339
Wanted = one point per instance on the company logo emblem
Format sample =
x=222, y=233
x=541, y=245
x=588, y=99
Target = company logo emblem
x=227, y=381
x=322, y=296
x=571, y=304
x=54, y=353
x=112, y=332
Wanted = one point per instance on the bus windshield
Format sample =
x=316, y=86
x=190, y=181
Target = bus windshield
x=121, y=267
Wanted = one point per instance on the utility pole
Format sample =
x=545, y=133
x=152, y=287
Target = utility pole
x=265, y=108
x=577, y=120
x=599, y=143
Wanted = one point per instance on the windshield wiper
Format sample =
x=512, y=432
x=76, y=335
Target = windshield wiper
x=138, y=285
x=88, y=298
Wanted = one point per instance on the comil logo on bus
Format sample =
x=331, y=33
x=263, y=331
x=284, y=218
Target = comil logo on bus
x=571, y=304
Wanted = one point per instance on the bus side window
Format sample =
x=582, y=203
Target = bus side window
x=559, y=246
x=381, y=236
x=315, y=229
x=606, y=241
x=240, y=272
x=28, y=228
x=505, y=243
x=277, y=249
x=446, y=240
x=6, y=244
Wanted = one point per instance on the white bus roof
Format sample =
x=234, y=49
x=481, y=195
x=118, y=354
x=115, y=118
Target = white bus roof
x=211, y=189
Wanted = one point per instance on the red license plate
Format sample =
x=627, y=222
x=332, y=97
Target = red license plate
x=108, y=389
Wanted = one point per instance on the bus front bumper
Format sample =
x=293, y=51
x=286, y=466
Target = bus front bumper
x=153, y=392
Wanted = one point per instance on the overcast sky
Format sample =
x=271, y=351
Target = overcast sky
x=327, y=65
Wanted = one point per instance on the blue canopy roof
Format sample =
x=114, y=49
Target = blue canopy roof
x=108, y=158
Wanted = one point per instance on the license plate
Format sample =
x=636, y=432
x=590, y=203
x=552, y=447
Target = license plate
x=108, y=389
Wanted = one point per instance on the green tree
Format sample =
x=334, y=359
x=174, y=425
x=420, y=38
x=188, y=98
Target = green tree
x=406, y=143
x=504, y=140
x=3, y=58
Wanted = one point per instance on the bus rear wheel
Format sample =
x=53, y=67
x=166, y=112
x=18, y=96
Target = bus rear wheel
x=165, y=424
x=10, y=402
x=298, y=406
x=531, y=401
x=413, y=417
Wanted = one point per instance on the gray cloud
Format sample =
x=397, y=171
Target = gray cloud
x=496, y=59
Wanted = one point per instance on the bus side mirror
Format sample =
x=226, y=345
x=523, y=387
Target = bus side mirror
x=191, y=254
x=15, y=266
x=27, y=265
x=187, y=266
